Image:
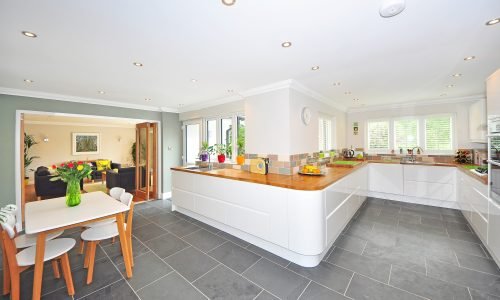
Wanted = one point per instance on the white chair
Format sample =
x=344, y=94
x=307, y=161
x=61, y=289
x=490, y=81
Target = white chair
x=116, y=193
x=94, y=235
x=17, y=263
x=26, y=240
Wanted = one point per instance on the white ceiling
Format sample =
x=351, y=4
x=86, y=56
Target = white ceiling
x=87, y=46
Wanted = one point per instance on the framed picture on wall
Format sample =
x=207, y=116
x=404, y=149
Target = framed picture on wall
x=86, y=143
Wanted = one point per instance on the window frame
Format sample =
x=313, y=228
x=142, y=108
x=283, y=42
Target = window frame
x=421, y=134
x=198, y=122
x=333, y=132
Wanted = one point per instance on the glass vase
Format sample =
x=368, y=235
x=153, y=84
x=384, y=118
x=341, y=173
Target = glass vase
x=73, y=196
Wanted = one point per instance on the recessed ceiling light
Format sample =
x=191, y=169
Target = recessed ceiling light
x=470, y=57
x=147, y=99
x=101, y=92
x=347, y=93
x=457, y=75
x=336, y=83
x=138, y=64
x=450, y=85
x=194, y=80
x=228, y=2
x=493, y=22
x=230, y=91
x=286, y=44
x=355, y=99
x=315, y=68
x=29, y=34
x=28, y=81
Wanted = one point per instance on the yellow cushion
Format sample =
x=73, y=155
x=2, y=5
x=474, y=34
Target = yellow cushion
x=116, y=170
x=103, y=164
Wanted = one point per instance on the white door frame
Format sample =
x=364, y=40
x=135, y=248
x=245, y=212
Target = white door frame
x=17, y=154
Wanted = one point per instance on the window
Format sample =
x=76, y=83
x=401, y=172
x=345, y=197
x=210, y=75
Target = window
x=227, y=135
x=438, y=133
x=192, y=142
x=378, y=135
x=325, y=134
x=240, y=135
x=405, y=133
x=212, y=132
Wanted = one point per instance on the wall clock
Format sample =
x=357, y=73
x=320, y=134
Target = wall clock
x=306, y=115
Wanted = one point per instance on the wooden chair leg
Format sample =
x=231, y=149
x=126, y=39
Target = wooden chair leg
x=113, y=240
x=90, y=271
x=6, y=275
x=131, y=252
x=66, y=268
x=38, y=198
x=87, y=256
x=55, y=267
x=82, y=247
x=15, y=285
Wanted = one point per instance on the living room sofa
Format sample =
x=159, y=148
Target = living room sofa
x=44, y=188
x=98, y=174
x=124, y=178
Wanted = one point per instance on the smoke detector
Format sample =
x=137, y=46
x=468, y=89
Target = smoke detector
x=390, y=8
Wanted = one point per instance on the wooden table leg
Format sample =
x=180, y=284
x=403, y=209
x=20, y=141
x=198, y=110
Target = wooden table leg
x=38, y=273
x=124, y=244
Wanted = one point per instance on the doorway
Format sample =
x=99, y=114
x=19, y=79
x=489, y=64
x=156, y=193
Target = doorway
x=146, y=157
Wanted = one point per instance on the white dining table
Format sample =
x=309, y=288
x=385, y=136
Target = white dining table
x=46, y=216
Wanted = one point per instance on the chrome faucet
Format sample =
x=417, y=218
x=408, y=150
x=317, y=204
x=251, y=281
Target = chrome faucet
x=413, y=157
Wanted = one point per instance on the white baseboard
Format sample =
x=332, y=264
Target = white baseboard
x=166, y=195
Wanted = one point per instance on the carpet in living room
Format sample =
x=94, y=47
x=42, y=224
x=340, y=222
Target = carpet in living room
x=94, y=187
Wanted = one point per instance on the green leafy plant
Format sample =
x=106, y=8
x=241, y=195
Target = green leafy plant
x=240, y=142
x=204, y=147
x=220, y=149
x=29, y=142
x=132, y=152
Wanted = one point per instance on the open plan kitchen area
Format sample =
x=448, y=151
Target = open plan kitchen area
x=257, y=150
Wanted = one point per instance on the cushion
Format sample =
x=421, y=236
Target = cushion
x=103, y=164
x=116, y=170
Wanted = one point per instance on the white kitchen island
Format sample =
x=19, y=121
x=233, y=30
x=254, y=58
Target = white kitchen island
x=299, y=223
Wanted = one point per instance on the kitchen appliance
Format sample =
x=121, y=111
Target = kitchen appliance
x=259, y=165
x=348, y=153
x=493, y=110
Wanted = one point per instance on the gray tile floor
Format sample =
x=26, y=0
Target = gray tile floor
x=390, y=250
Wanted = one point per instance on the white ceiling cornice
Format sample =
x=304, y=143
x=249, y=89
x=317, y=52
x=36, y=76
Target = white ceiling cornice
x=311, y=93
x=417, y=103
x=59, y=97
x=77, y=124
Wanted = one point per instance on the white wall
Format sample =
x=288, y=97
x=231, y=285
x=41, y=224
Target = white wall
x=268, y=123
x=116, y=143
x=461, y=111
x=214, y=111
x=304, y=139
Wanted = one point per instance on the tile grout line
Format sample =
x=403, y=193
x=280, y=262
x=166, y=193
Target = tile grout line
x=470, y=295
x=173, y=269
x=258, y=294
x=218, y=264
x=308, y=284
x=252, y=265
x=118, y=270
x=156, y=280
x=390, y=273
x=348, y=284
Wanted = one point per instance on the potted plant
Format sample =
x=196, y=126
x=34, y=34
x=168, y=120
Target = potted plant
x=204, y=151
x=29, y=141
x=72, y=173
x=220, y=150
x=240, y=142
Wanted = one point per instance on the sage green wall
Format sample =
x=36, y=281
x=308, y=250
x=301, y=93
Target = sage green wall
x=171, y=132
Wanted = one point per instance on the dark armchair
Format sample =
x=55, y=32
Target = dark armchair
x=124, y=178
x=98, y=174
x=44, y=188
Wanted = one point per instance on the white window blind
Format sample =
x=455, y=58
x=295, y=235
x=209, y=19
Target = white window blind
x=405, y=133
x=378, y=135
x=439, y=133
x=325, y=134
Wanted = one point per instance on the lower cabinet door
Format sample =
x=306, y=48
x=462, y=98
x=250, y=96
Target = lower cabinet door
x=494, y=230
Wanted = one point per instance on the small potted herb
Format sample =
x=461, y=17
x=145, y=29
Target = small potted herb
x=240, y=159
x=220, y=150
x=204, y=151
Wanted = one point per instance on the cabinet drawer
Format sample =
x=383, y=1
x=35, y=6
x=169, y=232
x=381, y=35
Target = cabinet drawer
x=336, y=222
x=480, y=225
x=386, y=178
x=429, y=190
x=479, y=202
x=429, y=174
x=183, y=199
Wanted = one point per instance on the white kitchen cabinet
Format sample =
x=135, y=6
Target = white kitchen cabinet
x=430, y=182
x=386, y=178
x=478, y=122
x=493, y=94
x=494, y=231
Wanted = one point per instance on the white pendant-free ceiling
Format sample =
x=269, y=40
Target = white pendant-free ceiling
x=192, y=51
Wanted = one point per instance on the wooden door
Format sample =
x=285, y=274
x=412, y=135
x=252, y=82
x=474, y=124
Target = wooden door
x=146, y=152
x=23, y=185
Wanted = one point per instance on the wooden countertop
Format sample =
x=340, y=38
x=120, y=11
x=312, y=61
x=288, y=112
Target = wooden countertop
x=303, y=182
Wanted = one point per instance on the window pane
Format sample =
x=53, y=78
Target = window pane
x=325, y=134
x=212, y=132
x=406, y=133
x=241, y=135
x=438, y=133
x=227, y=135
x=192, y=142
x=378, y=135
